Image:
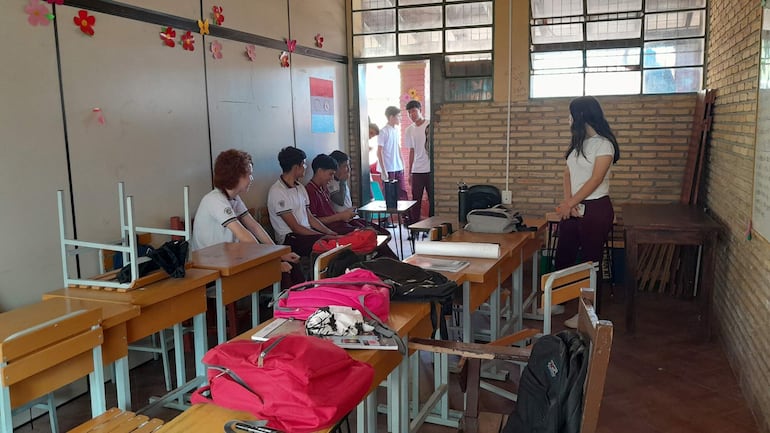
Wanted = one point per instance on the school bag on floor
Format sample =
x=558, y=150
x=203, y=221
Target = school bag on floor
x=550, y=396
x=414, y=284
x=297, y=383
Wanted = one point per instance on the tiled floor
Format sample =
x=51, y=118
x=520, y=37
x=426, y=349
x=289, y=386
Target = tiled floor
x=660, y=380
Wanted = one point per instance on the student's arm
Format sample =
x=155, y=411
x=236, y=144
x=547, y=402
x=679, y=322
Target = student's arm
x=318, y=225
x=383, y=171
x=296, y=227
x=344, y=215
x=256, y=229
x=240, y=232
x=411, y=158
x=601, y=167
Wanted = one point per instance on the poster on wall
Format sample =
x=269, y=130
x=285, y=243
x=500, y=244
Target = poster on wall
x=321, y=105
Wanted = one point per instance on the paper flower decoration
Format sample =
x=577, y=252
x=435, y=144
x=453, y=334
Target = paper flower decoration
x=188, y=41
x=216, y=11
x=291, y=44
x=39, y=15
x=85, y=22
x=413, y=94
x=99, y=115
x=284, y=58
x=168, y=36
x=405, y=97
x=203, y=26
x=57, y=2
x=216, y=50
x=251, y=52
x=319, y=41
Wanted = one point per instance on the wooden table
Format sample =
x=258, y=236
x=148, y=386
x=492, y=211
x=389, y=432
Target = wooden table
x=673, y=224
x=244, y=269
x=408, y=319
x=402, y=207
x=166, y=303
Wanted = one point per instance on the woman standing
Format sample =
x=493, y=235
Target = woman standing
x=586, y=212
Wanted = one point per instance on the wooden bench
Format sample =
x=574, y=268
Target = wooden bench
x=118, y=421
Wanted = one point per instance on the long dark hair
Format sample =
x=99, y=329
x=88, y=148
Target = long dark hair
x=586, y=110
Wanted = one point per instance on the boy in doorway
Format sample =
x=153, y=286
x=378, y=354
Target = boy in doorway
x=416, y=140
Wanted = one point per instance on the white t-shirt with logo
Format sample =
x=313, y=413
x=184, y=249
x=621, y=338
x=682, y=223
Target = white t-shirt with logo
x=581, y=167
x=214, y=212
x=414, y=138
x=282, y=199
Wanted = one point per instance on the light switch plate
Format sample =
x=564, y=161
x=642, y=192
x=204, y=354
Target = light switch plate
x=507, y=197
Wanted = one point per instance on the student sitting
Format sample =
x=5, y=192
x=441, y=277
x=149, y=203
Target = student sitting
x=339, y=191
x=223, y=217
x=342, y=222
x=288, y=203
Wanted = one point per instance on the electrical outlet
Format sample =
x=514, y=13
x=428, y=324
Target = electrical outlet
x=507, y=197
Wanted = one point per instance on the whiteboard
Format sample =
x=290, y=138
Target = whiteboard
x=761, y=210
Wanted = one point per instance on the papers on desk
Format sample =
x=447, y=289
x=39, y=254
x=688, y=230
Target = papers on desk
x=439, y=265
x=290, y=326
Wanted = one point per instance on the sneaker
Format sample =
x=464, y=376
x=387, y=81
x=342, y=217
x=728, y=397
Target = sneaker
x=572, y=322
x=555, y=310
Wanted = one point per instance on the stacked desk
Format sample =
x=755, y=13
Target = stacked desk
x=161, y=305
x=379, y=206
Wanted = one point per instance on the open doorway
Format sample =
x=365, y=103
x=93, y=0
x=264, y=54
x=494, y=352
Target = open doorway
x=385, y=84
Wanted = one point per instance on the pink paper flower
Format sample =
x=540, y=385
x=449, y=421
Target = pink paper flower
x=216, y=49
x=251, y=52
x=319, y=41
x=38, y=13
x=291, y=44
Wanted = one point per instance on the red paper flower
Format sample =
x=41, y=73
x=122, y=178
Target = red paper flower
x=284, y=58
x=218, y=17
x=319, y=41
x=291, y=44
x=216, y=50
x=58, y=2
x=168, y=37
x=85, y=22
x=188, y=41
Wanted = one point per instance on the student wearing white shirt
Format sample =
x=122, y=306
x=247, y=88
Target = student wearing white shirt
x=389, y=151
x=416, y=140
x=586, y=211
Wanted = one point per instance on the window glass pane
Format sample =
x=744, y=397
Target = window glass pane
x=613, y=6
x=419, y=18
x=468, y=65
x=686, y=52
x=543, y=86
x=556, y=8
x=619, y=29
x=419, y=43
x=557, y=60
x=475, y=39
x=417, y=2
x=468, y=89
x=551, y=34
x=668, y=5
x=673, y=80
x=613, y=83
x=469, y=14
x=613, y=57
x=374, y=45
x=373, y=4
x=374, y=21
x=675, y=25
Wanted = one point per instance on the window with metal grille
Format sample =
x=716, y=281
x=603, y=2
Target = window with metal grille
x=616, y=47
x=460, y=30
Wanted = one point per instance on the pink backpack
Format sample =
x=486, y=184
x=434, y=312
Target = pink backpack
x=360, y=289
x=296, y=383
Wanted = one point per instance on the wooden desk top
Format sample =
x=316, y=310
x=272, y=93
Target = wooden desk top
x=436, y=220
x=379, y=206
x=152, y=294
x=113, y=313
x=474, y=272
x=22, y=318
x=230, y=258
x=674, y=216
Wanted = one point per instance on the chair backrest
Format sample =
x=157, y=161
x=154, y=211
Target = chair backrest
x=599, y=333
x=565, y=285
x=48, y=355
x=377, y=191
x=321, y=265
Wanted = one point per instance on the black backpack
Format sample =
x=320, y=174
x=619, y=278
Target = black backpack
x=414, y=284
x=550, y=398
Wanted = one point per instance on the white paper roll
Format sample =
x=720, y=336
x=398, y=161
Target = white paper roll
x=458, y=249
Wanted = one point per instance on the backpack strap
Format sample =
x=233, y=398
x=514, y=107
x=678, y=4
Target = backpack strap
x=382, y=328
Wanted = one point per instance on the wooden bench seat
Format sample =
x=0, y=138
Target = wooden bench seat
x=118, y=421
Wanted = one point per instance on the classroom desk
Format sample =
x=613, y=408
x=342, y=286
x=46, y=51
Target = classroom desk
x=426, y=225
x=673, y=224
x=408, y=319
x=166, y=303
x=402, y=207
x=244, y=269
x=23, y=327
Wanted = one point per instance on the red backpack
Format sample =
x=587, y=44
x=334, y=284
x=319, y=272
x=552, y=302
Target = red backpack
x=362, y=241
x=295, y=382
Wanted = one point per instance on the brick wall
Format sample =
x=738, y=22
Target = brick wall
x=742, y=287
x=470, y=143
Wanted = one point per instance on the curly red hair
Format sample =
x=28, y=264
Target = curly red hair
x=229, y=167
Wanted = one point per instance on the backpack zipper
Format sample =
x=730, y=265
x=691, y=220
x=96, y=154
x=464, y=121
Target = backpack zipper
x=263, y=354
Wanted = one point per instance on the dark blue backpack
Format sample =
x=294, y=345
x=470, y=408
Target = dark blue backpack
x=550, y=397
